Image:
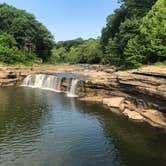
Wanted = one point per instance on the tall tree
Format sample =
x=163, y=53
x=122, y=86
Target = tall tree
x=112, y=26
x=128, y=21
x=149, y=46
x=9, y=52
x=27, y=31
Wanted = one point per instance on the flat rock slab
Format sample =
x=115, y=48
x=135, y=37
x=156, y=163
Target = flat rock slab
x=114, y=102
x=153, y=70
x=93, y=99
x=155, y=116
x=133, y=115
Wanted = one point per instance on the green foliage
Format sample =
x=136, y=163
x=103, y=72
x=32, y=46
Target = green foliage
x=9, y=52
x=87, y=51
x=58, y=55
x=135, y=34
x=137, y=8
x=69, y=43
x=163, y=63
x=149, y=46
x=73, y=55
x=44, y=43
x=65, y=51
x=7, y=40
x=114, y=49
x=112, y=26
x=13, y=55
x=111, y=52
x=28, y=33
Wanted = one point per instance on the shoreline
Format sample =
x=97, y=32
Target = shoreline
x=138, y=94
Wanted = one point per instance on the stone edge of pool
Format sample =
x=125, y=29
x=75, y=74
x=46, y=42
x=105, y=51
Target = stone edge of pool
x=137, y=94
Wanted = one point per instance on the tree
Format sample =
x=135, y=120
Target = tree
x=122, y=26
x=112, y=26
x=7, y=40
x=44, y=43
x=88, y=52
x=9, y=52
x=149, y=46
x=27, y=31
x=115, y=48
x=137, y=8
x=69, y=43
x=58, y=55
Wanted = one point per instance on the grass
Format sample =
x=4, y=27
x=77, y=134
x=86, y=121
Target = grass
x=160, y=63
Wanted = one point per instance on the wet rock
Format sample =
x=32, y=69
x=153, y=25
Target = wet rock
x=12, y=75
x=8, y=82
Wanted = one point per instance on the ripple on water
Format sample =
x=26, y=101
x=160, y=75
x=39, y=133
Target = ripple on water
x=43, y=128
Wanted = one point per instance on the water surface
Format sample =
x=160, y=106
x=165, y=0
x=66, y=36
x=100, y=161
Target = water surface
x=44, y=128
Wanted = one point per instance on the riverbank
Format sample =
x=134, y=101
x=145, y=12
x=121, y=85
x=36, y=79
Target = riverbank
x=137, y=94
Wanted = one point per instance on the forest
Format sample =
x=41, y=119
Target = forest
x=134, y=35
x=22, y=38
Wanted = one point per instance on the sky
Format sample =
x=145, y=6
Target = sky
x=69, y=19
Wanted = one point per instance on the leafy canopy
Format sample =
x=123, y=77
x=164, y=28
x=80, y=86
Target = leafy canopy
x=149, y=46
x=27, y=31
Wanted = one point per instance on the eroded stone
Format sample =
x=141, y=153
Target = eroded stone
x=114, y=102
x=155, y=116
x=133, y=115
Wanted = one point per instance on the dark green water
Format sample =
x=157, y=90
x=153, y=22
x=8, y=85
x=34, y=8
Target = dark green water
x=43, y=128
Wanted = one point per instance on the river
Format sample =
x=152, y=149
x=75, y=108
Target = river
x=45, y=128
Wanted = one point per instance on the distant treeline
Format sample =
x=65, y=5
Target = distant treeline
x=77, y=51
x=22, y=38
x=135, y=34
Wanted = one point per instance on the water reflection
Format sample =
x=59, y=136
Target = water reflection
x=137, y=144
x=43, y=128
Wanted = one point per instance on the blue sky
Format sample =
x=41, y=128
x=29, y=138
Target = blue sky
x=69, y=19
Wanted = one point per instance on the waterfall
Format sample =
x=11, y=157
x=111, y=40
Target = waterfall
x=53, y=83
x=43, y=81
x=27, y=81
x=73, y=87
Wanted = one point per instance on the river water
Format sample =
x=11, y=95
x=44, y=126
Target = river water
x=44, y=128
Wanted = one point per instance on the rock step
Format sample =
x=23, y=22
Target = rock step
x=125, y=107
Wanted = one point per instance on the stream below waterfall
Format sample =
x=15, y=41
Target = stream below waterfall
x=44, y=128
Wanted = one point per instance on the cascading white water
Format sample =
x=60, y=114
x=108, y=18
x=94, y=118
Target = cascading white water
x=27, y=81
x=43, y=81
x=51, y=82
x=73, y=87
